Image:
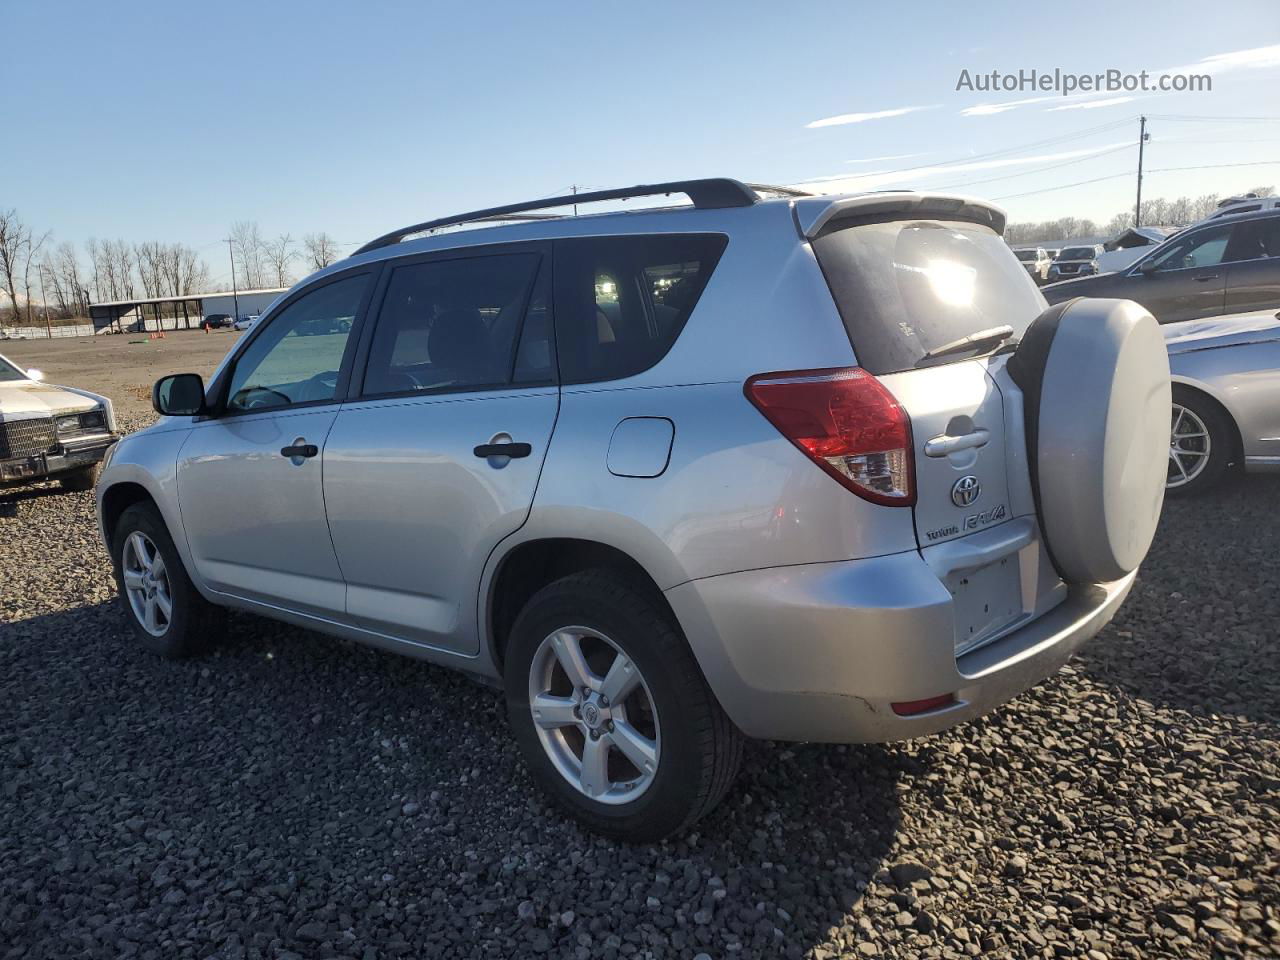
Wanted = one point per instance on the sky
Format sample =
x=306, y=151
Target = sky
x=171, y=121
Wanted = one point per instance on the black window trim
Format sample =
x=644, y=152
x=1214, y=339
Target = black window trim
x=360, y=364
x=218, y=387
x=560, y=244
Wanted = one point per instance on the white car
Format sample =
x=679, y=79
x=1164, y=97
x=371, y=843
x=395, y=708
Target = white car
x=1035, y=260
x=244, y=323
x=49, y=432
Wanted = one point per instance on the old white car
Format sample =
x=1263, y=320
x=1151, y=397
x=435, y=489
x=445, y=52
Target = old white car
x=49, y=432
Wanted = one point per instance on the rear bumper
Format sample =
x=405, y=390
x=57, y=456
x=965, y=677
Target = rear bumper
x=73, y=455
x=820, y=652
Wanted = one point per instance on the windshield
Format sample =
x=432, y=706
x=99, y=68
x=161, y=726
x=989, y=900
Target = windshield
x=1026, y=255
x=9, y=373
x=1076, y=253
x=905, y=288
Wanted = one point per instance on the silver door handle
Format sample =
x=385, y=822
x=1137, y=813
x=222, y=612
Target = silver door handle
x=942, y=445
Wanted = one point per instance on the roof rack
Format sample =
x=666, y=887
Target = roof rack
x=713, y=193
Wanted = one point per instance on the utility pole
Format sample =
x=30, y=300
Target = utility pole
x=235, y=293
x=1143, y=136
x=574, y=188
x=44, y=302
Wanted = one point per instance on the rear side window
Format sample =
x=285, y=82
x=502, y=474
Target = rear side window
x=905, y=288
x=450, y=324
x=620, y=302
x=1254, y=240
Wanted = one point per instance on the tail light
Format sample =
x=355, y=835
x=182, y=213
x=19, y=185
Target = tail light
x=848, y=423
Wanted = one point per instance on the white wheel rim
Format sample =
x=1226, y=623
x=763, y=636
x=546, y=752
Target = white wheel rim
x=1189, y=447
x=146, y=584
x=594, y=715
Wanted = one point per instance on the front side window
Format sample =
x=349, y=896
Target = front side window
x=297, y=357
x=1203, y=249
x=451, y=324
x=622, y=301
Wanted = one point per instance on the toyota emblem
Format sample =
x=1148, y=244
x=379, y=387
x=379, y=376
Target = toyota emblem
x=965, y=490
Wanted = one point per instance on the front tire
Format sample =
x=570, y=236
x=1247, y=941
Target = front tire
x=1201, y=444
x=80, y=480
x=165, y=611
x=611, y=711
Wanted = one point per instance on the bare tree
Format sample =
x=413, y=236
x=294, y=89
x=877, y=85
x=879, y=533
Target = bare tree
x=151, y=267
x=112, y=269
x=279, y=253
x=247, y=252
x=322, y=249
x=15, y=244
x=18, y=251
x=62, y=272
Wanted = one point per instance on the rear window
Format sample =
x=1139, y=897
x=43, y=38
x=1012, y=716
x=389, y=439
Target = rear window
x=620, y=302
x=904, y=288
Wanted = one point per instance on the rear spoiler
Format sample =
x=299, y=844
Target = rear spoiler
x=818, y=215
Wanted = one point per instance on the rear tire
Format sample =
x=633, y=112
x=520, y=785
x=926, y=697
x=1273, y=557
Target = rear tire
x=669, y=715
x=1201, y=444
x=80, y=480
x=150, y=577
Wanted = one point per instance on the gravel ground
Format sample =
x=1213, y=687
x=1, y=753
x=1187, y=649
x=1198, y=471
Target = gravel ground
x=293, y=796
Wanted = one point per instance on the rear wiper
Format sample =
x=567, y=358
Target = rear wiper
x=974, y=341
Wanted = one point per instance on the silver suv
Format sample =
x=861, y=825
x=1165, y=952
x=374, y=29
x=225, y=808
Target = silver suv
x=803, y=468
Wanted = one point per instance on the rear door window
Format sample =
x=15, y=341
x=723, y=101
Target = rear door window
x=620, y=302
x=452, y=325
x=906, y=287
x=1254, y=240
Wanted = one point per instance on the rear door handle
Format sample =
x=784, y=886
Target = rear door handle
x=1206, y=278
x=513, y=450
x=942, y=445
x=298, y=450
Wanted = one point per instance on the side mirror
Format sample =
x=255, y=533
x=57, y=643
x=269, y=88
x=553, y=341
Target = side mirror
x=34, y=374
x=1147, y=268
x=179, y=395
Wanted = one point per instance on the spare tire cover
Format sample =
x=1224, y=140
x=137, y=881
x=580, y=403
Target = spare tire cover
x=1095, y=380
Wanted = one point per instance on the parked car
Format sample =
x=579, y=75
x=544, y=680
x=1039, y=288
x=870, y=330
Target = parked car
x=244, y=323
x=1226, y=398
x=1076, y=262
x=1036, y=261
x=1131, y=245
x=216, y=321
x=810, y=468
x=1222, y=266
x=50, y=433
x=1245, y=203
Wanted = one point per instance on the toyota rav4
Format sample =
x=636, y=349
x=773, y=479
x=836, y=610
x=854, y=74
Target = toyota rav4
x=762, y=465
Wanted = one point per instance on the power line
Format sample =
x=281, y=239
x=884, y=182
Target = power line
x=1063, y=138
x=1126, y=173
x=1195, y=119
x=1024, y=173
x=1064, y=186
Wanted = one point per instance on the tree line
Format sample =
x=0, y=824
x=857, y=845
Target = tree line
x=35, y=272
x=1158, y=211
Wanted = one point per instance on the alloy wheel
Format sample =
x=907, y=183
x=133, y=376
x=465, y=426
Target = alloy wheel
x=594, y=715
x=146, y=583
x=1189, y=447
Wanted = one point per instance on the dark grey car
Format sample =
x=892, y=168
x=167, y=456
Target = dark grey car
x=1228, y=265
